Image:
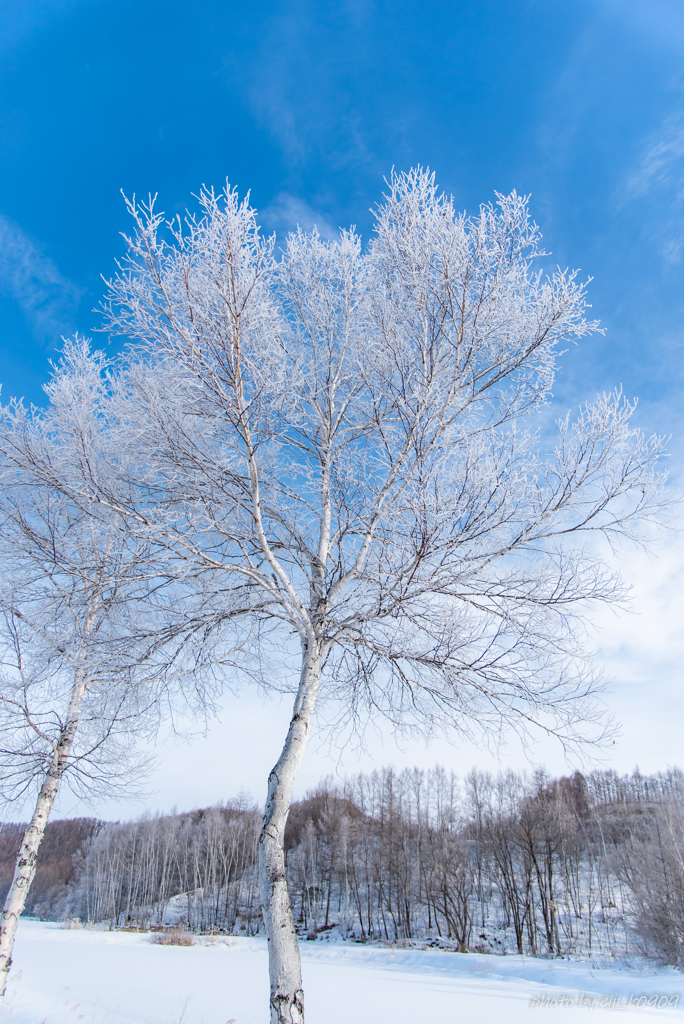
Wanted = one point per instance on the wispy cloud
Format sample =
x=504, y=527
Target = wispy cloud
x=287, y=213
x=47, y=300
x=659, y=20
x=662, y=161
x=314, y=85
x=659, y=174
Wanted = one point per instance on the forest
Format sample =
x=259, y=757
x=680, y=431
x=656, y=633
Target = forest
x=586, y=864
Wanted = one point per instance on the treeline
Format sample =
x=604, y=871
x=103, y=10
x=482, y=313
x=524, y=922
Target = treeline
x=198, y=867
x=60, y=852
x=576, y=865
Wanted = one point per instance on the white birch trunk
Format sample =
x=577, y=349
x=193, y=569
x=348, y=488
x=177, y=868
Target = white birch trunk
x=285, y=972
x=27, y=858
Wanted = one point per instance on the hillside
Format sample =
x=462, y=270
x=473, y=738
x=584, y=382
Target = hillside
x=57, y=858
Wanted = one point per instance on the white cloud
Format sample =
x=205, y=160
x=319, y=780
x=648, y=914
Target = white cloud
x=287, y=213
x=661, y=160
x=47, y=300
x=642, y=650
x=660, y=20
x=660, y=172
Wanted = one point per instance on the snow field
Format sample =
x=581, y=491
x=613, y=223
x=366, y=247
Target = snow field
x=96, y=977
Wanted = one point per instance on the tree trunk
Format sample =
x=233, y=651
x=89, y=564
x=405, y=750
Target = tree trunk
x=27, y=858
x=287, y=997
x=23, y=875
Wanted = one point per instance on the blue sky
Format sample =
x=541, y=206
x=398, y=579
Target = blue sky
x=309, y=105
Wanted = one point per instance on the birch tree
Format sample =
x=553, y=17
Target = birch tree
x=73, y=694
x=333, y=438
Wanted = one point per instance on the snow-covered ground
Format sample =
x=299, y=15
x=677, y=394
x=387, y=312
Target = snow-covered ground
x=66, y=976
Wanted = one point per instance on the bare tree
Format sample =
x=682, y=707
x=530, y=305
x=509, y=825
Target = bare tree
x=649, y=859
x=333, y=442
x=75, y=689
x=130, y=872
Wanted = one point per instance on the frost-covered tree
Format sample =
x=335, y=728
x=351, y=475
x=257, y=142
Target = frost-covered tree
x=77, y=634
x=333, y=440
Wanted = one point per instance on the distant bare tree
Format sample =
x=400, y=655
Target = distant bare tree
x=206, y=858
x=649, y=860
